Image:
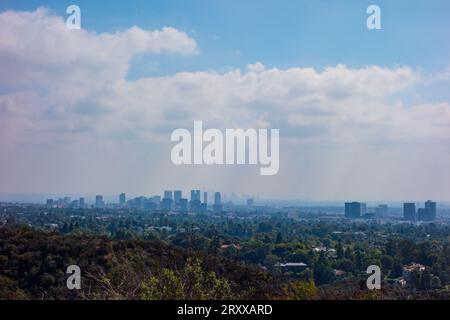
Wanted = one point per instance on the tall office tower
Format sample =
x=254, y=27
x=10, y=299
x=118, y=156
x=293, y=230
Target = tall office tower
x=99, y=202
x=156, y=200
x=168, y=195
x=354, y=210
x=195, y=195
x=422, y=214
x=381, y=210
x=166, y=204
x=205, y=197
x=66, y=200
x=184, y=205
x=409, y=211
x=122, y=199
x=363, y=209
x=430, y=208
x=167, y=201
x=217, y=202
x=177, y=195
x=75, y=204
x=50, y=202
x=139, y=202
x=217, y=198
x=81, y=202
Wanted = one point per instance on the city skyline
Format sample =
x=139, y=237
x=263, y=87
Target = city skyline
x=379, y=206
x=173, y=201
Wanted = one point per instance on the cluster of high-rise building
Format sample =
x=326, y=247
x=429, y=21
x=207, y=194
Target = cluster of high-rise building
x=66, y=202
x=355, y=210
x=428, y=213
x=174, y=201
x=170, y=201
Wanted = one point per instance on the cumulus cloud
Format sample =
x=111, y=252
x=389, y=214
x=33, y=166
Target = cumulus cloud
x=37, y=46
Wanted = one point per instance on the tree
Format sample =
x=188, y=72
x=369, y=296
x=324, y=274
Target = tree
x=323, y=273
x=435, y=282
x=299, y=290
x=339, y=250
x=190, y=283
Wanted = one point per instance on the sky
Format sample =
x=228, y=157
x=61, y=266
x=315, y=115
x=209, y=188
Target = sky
x=363, y=114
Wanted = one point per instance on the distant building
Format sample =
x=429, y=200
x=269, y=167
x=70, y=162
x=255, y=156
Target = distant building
x=409, y=211
x=99, y=203
x=82, y=203
x=167, y=201
x=195, y=195
x=139, y=202
x=429, y=211
x=217, y=202
x=196, y=205
x=292, y=266
x=74, y=204
x=184, y=205
x=67, y=201
x=166, y=204
x=167, y=195
x=250, y=202
x=156, y=200
x=354, y=210
x=381, y=210
x=177, y=195
x=409, y=269
x=422, y=214
x=122, y=200
x=205, y=197
x=229, y=206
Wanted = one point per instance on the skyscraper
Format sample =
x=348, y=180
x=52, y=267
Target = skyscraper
x=67, y=201
x=122, y=200
x=81, y=203
x=167, y=194
x=184, y=205
x=430, y=208
x=195, y=195
x=381, y=210
x=217, y=202
x=167, y=201
x=205, y=197
x=99, y=202
x=409, y=211
x=177, y=194
x=355, y=210
x=195, y=201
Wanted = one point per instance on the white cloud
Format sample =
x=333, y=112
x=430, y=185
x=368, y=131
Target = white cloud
x=37, y=46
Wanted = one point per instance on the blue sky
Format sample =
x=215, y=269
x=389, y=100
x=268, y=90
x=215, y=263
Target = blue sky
x=281, y=34
x=359, y=111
